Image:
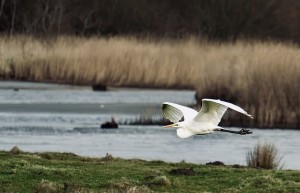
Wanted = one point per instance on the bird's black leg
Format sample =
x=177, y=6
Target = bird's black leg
x=245, y=132
x=241, y=132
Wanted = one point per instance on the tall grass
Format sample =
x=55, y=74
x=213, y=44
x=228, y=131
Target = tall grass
x=262, y=77
x=264, y=155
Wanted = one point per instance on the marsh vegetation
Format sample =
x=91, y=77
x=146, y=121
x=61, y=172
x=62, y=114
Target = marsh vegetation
x=262, y=77
x=243, y=52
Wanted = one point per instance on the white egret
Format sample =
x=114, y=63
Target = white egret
x=203, y=122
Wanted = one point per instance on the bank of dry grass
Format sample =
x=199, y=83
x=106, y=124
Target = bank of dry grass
x=262, y=77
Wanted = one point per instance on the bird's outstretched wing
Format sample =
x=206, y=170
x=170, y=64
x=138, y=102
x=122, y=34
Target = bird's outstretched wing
x=175, y=112
x=213, y=110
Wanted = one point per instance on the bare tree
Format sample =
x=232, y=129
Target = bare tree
x=1, y=8
x=13, y=17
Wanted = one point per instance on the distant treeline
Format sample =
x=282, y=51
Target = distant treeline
x=210, y=19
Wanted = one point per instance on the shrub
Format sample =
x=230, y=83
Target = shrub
x=264, y=155
x=15, y=150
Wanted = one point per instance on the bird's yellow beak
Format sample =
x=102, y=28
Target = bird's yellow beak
x=167, y=126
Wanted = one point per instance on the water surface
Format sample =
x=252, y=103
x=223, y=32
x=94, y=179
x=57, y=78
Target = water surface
x=42, y=117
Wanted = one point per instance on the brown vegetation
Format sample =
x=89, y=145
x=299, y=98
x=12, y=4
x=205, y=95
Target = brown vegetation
x=262, y=77
x=264, y=155
x=145, y=120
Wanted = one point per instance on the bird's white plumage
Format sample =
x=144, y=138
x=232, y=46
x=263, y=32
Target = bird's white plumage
x=175, y=112
x=213, y=110
x=184, y=133
x=229, y=105
x=204, y=122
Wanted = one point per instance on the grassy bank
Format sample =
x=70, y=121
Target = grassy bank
x=262, y=77
x=65, y=172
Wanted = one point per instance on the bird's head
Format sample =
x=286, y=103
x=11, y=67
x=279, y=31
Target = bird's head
x=176, y=125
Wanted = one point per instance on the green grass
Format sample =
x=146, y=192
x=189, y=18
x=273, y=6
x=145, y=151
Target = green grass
x=66, y=172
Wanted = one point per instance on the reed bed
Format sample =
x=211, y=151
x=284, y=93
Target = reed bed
x=262, y=77
x=145, y=120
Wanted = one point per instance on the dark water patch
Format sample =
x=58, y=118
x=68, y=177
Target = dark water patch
x=85, y=129
x=27, y=85
x=81, y=108
x=29, y=129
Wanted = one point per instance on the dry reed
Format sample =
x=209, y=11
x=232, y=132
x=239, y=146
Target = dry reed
x=264, y=155
x=262, y=77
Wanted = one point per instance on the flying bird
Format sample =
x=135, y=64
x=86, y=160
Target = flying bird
x=203, y=122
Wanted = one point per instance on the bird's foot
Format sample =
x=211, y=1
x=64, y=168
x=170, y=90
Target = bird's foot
x=245, y=131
